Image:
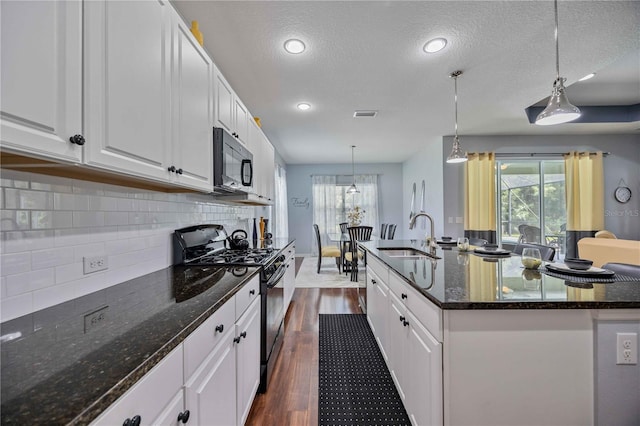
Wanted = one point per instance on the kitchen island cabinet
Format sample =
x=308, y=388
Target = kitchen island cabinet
x=492, y=344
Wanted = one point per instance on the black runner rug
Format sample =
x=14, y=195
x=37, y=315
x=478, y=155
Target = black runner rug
x=356, y=387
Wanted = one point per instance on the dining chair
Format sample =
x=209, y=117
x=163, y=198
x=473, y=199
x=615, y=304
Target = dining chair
x=623, y=269
x=546, y=252
x=343, y=227
x=356, y=233
x=330, y=251
x=391, y=231
x=383, y=231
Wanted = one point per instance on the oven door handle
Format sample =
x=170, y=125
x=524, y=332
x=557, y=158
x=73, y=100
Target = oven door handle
x=273, y=281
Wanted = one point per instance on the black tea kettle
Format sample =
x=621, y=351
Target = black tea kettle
x=238, y=240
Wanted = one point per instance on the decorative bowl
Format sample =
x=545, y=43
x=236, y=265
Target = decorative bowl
x=490, y=247
x=579, y=264
x=445, y=238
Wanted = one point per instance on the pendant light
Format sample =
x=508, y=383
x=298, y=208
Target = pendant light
x=456, y=156
x=559, y=109
x=353, y=189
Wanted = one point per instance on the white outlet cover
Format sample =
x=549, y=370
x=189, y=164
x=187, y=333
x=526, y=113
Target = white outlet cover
x=627, y=348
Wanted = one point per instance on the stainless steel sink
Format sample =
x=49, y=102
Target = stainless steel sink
x=405, y=253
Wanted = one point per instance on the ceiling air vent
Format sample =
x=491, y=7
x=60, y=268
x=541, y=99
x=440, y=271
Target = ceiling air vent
x=365, y=113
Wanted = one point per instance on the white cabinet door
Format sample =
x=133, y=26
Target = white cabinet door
x=192, y=102
x=173, y=413
x=398, y=335
x=127, y=86
x=377, y=310
x=247, y=359
x=423, y=375
x=269, y=176
x=41, y=60
x=224, y=98
x=242, y=118
x=210, y=393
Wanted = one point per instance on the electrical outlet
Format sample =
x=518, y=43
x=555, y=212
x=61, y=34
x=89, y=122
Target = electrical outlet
x=95, y=264
x=626, y=348
x=95, y=319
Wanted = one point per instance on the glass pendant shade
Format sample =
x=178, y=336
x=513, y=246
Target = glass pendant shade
x=456, y=156
x=353, y=189
x=559, y=109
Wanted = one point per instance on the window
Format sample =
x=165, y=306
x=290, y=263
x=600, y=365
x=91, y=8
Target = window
x=527, y=213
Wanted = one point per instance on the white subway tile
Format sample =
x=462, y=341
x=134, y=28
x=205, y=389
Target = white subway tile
x=71, y=237
x=30, y=281
x=12, y=220
x=69, y=272
x=88, y=250
x=71, y=202
x=15, y=307
x=51, y=296
x=116, y=218
x=102, y=203
x=88, y=188
x=3, y=287
x=26, y=199
x=127, y=205
x=15, y=263
x=103, y=233
x=51, y=183
x=21, y=241
x=116, y=247
x=127, y=231
x=84, y=219
x=50, y=258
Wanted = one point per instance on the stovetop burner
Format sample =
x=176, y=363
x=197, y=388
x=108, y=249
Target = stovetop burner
x=250, y=256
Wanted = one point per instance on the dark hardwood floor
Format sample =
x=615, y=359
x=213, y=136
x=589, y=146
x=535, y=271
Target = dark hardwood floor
x=292, y=396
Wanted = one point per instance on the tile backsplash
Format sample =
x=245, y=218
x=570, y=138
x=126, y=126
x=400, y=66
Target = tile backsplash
x=49, y=224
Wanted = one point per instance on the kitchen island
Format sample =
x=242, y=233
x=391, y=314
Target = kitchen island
x=479, y=340
x=69, y=363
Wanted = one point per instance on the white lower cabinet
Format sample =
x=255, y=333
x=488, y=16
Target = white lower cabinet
x=221, y=390
x=156, y=399
x=406, y=327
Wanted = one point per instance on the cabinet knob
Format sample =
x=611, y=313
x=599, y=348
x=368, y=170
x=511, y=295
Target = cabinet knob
x=252, y=292
x=77, y=139
x=374, y=282
x=404, y=295
x=179, y=171
x=134, y=421
x=172, y=169
x=184, y=416
x=402, y=318
x=243, y=334
x=405, y=323
x=220, y=328
x=236, y=339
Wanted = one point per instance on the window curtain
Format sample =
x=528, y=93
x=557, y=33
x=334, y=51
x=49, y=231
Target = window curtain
x=367, y=199
x=480, y=196
x=282, y=212
x=324, y=192
x=584, y=180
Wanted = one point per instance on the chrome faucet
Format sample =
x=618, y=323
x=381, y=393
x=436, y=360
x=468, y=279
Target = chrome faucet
x=430, y=239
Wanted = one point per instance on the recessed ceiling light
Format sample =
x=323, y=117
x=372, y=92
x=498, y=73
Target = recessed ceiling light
x=435, y=45
x=294, y=46
x=303, y=106
x=588, y=76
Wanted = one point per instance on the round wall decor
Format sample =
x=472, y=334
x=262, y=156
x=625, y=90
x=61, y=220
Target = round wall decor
x=622, y=193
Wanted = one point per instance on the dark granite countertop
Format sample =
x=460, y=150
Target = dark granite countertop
x=56, y=369
x=460, y=280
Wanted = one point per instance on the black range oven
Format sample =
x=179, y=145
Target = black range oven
x=204, y=245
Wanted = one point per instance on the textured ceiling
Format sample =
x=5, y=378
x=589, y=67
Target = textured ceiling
x=365, y=55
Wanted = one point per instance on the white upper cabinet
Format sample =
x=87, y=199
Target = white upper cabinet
x=41, y=76
x=127, y=86
x=192, y=109
x=230, y=112
x=263, y=163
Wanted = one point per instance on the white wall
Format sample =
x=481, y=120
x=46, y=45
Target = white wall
x=425, y=165
x=299, y=188
x=49, y=224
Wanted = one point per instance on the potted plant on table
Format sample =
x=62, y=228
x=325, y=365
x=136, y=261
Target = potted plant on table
x=355, y=215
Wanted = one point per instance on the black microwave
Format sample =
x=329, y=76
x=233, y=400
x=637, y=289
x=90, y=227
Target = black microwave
x=232, y=163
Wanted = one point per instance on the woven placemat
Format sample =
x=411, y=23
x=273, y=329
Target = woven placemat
x=578, y=279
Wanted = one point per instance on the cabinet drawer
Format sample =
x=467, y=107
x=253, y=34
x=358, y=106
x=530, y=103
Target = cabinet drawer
x=246, y=295
x=205, y=338
x=426, y=312
x=149, y=397
x=381, y=270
